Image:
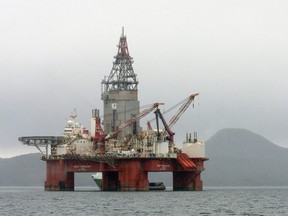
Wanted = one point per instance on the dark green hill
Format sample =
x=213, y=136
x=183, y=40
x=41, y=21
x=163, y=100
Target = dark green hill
x=239, y=157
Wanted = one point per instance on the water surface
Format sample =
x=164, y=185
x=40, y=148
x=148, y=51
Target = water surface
x=90, y=201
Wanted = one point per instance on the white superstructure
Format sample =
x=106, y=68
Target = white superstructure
x=193, y=148
x=77, y=138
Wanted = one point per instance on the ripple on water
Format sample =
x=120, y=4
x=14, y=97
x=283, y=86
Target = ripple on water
x=216, y=201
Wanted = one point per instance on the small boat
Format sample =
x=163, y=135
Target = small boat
x=97, y=177
x=157, y=186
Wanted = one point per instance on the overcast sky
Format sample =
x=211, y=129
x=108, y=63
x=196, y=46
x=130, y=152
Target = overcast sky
x=54, y=55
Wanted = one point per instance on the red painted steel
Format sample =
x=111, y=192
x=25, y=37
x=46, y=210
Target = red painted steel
x=185, y=161
x=128, y=174
x=132, y=176
x=187, y=181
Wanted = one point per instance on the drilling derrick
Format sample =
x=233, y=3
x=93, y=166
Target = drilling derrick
x=120, y=93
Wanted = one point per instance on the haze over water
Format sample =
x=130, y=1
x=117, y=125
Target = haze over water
x=211, y=201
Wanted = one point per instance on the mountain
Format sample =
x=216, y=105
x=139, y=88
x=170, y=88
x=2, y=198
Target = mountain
x=23, y=170
x=238, y=157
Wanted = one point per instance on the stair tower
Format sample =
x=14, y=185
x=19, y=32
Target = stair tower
x=120, y=93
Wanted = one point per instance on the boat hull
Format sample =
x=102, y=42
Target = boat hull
x=97, y=178
x=157, y=186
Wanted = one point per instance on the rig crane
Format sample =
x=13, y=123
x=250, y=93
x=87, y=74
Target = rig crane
x=166, y=126
x=101, y=137
x=176, y=117
x=180, y=111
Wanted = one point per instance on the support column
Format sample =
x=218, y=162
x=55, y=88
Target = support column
x=198, y=184
x=110, y=181
x=57, y=177
x=132, y=177
x=187, y=181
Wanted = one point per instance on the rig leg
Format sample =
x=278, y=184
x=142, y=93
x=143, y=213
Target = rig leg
x=110, y=181
x=187, y=181
x=57, y=178
x=133, y=177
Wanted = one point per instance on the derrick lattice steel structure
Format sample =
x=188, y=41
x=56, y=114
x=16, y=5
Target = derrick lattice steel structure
x=122, y=76
x=120, y=93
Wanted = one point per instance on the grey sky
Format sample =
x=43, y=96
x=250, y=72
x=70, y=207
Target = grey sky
x=54, y=54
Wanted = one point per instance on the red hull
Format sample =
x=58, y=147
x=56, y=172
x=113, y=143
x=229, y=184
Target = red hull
x=128, y=174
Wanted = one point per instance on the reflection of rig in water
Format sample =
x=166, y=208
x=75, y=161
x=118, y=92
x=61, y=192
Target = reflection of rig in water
x=122, y=151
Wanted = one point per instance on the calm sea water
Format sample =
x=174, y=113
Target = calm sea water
x=88, y=201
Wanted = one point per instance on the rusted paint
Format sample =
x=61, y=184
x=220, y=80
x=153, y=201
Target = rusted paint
x=130, y=174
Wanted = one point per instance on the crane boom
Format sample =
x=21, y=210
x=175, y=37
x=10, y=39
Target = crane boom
x=167, y=128
x=181, y=110
x=132, y=120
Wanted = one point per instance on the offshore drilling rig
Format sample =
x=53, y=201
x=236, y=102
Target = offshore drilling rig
x=120, y=149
